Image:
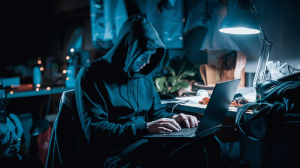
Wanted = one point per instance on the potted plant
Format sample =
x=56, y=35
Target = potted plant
x=180, y=73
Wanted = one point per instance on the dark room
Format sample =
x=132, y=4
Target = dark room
x=150, y=84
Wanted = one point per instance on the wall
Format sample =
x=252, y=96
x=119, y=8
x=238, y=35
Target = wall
x=278, y=20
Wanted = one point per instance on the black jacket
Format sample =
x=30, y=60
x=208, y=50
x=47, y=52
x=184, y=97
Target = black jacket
x=113, y=103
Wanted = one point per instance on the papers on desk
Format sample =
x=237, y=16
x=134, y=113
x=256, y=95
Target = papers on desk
x=192, y=99
x=251, y=97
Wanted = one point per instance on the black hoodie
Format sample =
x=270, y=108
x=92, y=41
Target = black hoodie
x=114, y=104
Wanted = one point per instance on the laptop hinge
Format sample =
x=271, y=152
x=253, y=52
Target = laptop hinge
x=208, y=131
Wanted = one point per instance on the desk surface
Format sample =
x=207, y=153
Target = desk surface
x=199, y=108
x=41, y=92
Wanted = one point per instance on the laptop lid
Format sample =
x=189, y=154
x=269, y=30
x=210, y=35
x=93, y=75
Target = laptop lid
x=218, y=105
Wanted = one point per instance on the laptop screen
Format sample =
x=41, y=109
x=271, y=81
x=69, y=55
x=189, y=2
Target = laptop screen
x=218, y=104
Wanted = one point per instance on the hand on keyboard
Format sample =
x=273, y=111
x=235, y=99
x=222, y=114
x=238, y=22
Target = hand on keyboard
x=189, y=120
x=163, y=124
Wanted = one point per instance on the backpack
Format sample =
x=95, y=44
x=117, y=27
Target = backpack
x=277, y=109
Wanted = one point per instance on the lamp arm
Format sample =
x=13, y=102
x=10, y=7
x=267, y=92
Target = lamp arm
x=265, y=52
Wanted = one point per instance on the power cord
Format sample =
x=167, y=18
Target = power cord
x=183, y=102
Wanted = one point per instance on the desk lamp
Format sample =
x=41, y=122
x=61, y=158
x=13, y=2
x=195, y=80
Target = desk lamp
x=244, y=19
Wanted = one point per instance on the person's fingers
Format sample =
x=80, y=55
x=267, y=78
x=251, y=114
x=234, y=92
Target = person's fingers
x=175, y=124
x=191, y=120
x=169, y=125
x=172, y=121
x=195, y=121
x=185, y=119
x=164, y=129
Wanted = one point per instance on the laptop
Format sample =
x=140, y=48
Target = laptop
x=213, y=116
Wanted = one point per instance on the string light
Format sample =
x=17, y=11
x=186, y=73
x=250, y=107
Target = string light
x=37, y=89
x=67, y=78
x=72, y=50
x=41, y=68
x=64, y=71
x=48, y=88
x=11, y=92
x=39, y=61
x=38, y=85
x=67, y=57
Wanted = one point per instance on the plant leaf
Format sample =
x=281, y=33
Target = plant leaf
x=159, y=82
x=165, y=89
x=172, y=80
x=188, y=73
x=183, y=84
x=170, y=70
x=174, y=88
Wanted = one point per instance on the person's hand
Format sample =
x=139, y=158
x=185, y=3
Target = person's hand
x=190, y=121
x=163, y=124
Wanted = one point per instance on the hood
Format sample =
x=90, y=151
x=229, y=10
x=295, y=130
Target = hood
x=136, y=36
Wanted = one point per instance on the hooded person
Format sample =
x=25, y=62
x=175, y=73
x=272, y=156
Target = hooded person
x=117, y=104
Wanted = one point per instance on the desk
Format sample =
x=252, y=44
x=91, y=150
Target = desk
x=41, y=92
x=199, y=108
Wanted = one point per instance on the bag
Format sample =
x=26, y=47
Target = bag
x=277, y=107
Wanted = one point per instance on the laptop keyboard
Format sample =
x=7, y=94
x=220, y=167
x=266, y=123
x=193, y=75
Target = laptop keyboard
x=182, y=132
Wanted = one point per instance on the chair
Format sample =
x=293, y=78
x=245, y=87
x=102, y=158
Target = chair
x=63, y=149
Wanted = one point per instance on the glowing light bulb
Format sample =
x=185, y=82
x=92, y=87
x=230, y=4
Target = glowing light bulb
x=41, y=68
x=72, y=50
x=39, y=61
x=11, y=92
x=67, y=57
x=37, y=89
x=67, y=78
x=38, y=85
x=64, y=71
x=180, y=38
x=48, y=88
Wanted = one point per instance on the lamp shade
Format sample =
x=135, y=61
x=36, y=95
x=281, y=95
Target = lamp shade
x=240, y=21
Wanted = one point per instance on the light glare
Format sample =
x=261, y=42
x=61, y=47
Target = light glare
x=37, y=89
x=38, y=85
x=239, y=30
x=67, y=57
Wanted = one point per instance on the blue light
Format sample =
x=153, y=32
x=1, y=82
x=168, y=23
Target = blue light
x=239, y=30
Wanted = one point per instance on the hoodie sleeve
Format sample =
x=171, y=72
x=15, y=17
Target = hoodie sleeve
x=93, y=114
x=157, y=110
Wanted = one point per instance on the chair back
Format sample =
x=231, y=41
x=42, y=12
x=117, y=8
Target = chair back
x=67, y=99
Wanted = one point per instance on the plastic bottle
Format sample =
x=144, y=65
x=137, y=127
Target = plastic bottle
x=36, y=75
x=70, y=81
